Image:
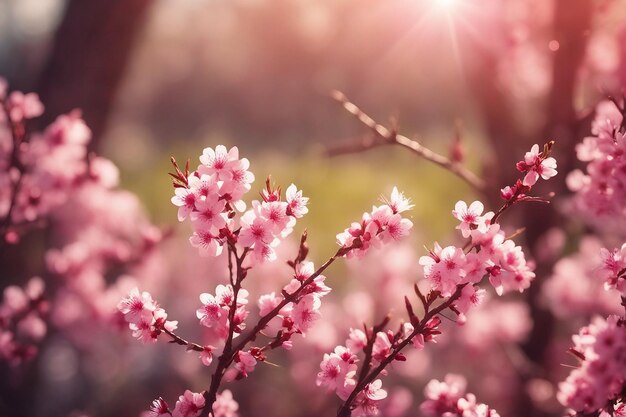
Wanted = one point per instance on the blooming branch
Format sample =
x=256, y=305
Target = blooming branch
x=453, y=274
x=211, y=197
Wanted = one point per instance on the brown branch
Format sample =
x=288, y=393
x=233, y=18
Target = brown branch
x=230, y=351
x=345, y=409
x=18, y=136
x=180, y=341
x=392, y=137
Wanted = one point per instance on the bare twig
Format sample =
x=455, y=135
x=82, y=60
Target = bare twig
x=392, y=137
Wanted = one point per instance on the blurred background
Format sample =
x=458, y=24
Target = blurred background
x=155, y=78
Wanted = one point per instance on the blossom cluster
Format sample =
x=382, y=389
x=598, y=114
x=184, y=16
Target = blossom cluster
x=299, y=315
x=338, y=369
x=495, y=256
x=37, y=170
x=99, y=234
x=191, y=404
x=536, y=164
x=577, y=285
x=491, y=253
x=452, y=274
x=613, y=269
x=600, y=196
x=600, y=379
x=22, y=324
x=448, y=398
x=144, y=316
x=211, y=197
x=382, y=225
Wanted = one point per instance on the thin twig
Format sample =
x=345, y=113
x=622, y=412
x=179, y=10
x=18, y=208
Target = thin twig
x=392, y=137
x=17, y=138
x=180, y=341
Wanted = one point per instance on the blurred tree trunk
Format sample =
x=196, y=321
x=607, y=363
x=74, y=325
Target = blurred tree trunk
x=572, y=21
x=90, y=53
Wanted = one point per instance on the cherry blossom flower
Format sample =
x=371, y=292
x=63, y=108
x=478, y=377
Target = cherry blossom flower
x=536, y=165
x=600, y=378
x=244, y=363
x=337, y=372
x=306, y=312
x=296, y=203
x=225, y=405
x=185, y=200
x=267, y=302
x=255, y=230
x=137, y=306
x=24, y=106
x=444, y=268
x=209, y=214
x=145, y=319
x=374, y=391
x=206, y=356
x=449, y=399
x=398, y=202
x=159, y=408
x=471, y=218
x=380, y=226
x=219, y=162
x=190, y=404
x=210, y=312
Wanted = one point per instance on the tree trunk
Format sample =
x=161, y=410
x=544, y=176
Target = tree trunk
x=91, y=50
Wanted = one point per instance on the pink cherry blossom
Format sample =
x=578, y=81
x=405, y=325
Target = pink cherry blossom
x=206, y=356
x=255, y=230
x=536, y=165
x=24, y=106
x=356, y=340
x=159, y=408
x=219, y=162
x=380, y=226
x=306, y=312
x=208, y=214
x=398, y=202
x=471, y=218
x=267, y=302
x=296, y=203
x=444, y=268
x=137, y=306
x=208, y=243
x=244, y=363
x=225, y=405
x=337, y=371
x=600, y=377
x=210, y=312
x=190, y=404
x=449, y=399
x=185, y=200
x=382, y=346
x=374, y=391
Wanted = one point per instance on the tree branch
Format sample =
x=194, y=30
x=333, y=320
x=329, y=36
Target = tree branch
x=392, y=137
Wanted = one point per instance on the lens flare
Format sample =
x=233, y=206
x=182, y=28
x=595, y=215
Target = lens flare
x=446, y=4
